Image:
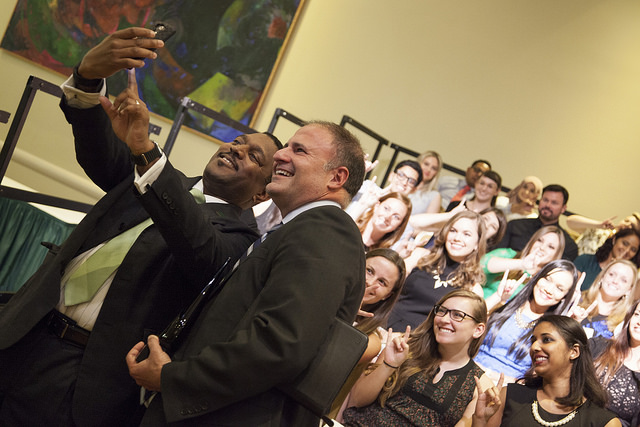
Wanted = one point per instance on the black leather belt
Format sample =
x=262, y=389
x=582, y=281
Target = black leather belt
x=67, y=329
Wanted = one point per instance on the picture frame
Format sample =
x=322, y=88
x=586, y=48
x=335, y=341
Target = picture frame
x=223, y=55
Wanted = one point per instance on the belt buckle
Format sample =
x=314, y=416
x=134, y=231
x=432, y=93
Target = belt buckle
x=66, y=328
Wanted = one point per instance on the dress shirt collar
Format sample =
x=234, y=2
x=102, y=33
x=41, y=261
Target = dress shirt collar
x=207, y=198
x=294, y=213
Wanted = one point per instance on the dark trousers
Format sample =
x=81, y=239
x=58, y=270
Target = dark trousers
x=37, y=380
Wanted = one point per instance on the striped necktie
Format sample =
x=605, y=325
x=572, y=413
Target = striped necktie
x=95, y=270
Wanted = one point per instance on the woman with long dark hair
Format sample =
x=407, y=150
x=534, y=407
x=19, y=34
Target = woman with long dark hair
x=561, y=388
x=384, y=279
x=545, y=245
x=505, y=347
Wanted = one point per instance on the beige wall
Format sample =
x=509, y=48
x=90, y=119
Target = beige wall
x=537, y=87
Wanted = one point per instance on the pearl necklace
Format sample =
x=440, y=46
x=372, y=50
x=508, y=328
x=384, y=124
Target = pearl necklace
x=521, y=323
x=534, y=410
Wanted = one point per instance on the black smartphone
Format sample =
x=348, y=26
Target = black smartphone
x=163, y=31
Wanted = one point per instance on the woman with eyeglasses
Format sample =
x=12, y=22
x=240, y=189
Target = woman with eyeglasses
x=452, y=262
x=560, y=389
x=504, y=349
x=382, y=224
x=405, y=178
x=425, y=378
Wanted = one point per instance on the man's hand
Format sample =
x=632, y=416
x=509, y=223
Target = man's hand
x=130, y=117
x=148, y=372
x=120, y=50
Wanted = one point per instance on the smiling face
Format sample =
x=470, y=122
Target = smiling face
x=486, y=189
x=625, y=247
x=550, y=354
x=430, y=167
x=551, y=207
x=474, y=173
x=299, y=174
x=551, y=289
x=528, y=193
x=616, y=282
x=239, y=170
x=388, y=215
x=381, y=277
x=462, y=239
x=404, y=180
x=451, y=332
x=546, y=248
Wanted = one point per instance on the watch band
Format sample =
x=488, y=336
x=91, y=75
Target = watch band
x=145, y=158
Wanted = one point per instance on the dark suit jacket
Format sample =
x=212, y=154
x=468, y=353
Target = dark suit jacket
x=265, y=327
x=166, y=267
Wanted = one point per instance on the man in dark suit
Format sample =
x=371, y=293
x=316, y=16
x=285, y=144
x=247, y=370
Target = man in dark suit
x=274, y=313
x=63, y=363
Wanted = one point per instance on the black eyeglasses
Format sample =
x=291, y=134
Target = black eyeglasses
x=404, y=178
x=456, y=315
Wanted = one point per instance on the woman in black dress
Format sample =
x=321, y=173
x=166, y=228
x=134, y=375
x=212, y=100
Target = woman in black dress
x=561, y=388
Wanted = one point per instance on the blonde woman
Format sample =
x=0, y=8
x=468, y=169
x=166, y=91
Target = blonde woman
x=606, y=302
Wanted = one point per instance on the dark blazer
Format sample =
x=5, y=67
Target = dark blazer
x=163, y=271
x=265, y=327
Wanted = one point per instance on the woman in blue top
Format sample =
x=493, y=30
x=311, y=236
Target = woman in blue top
x=505, y=347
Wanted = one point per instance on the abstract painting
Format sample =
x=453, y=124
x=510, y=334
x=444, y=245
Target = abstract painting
x=221, y=56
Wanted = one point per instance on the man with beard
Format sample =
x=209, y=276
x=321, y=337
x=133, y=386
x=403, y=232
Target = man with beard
x=552, y=204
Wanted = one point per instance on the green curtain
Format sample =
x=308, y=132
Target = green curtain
x=22, y=228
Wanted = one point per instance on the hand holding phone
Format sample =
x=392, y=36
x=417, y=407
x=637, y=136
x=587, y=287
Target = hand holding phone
x=163, y=31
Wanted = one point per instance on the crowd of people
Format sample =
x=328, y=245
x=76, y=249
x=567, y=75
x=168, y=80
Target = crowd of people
x=474, y=309
x=529, y=278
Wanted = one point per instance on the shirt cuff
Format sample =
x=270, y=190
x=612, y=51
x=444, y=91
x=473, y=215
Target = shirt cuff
x=80, y=99
x=145, y=181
